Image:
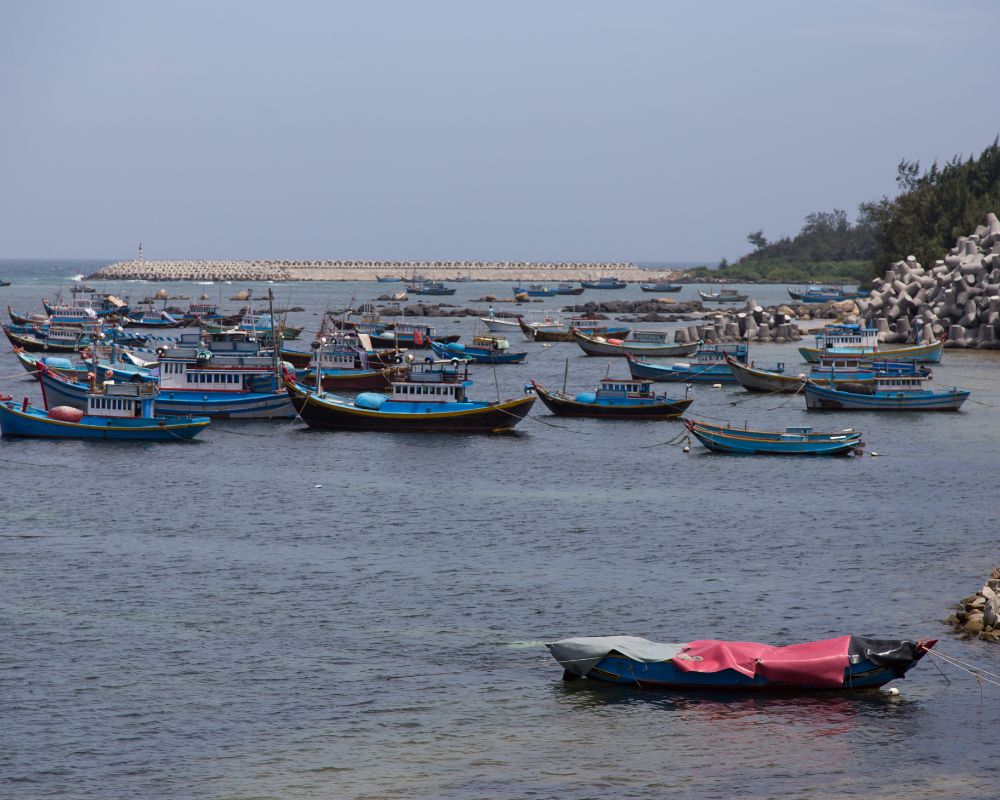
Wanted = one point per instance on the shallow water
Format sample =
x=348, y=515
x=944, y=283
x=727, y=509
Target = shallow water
x=277, y=612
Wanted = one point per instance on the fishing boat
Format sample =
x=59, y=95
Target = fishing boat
x=259, y=324
x=614, y=398
x=569, y=288
x=431, y=399
x=33, y=363
x=798, y=440
x=535, y=290
x=648, y=343
x=4, y=283
x=499, y=325
x=103, y=305
x=389, y=278
x=113, y=411
x=215, y=380
x=854, y=340
x=722, y=296
x=484, y=349
x=552, y=329
x=27, y=319
x=888, y=393
x=153, y=319
x=201, y=311
x=660, y=287
x=411, y=335
x=709, y=365
x=604, y=283
x=821, y=294
x=830, y=371
x=52, y=339
x=346, y=368
x=430, y=288
x=377, y=358
x=842, y=663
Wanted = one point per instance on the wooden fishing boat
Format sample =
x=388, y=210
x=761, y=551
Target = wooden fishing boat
x=887, y=393
x=410, y=335
x=154, y=319
x=831, y=371
x=27, y=319
x=113, y=411
x=821, y=294
x=614, y=398
x=722, y=296
x=793, y=441
x=259, y=324
x=709, y=366
x=660, y=287
x=346, y=368
x=389, y=278
x=852, y=340
x=535, y=290
x=33, y=363
x=843, y=663
x=650, y=344
x=432, y=399
x=569, y=288
x=604, y=283
x=552, y=330
x=430, y=288
x=483, y=350
x=4, y=283
x=52, y=340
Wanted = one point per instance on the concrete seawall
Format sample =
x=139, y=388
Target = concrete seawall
x=366, y=270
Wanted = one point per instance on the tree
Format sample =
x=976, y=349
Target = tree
x=757, y=239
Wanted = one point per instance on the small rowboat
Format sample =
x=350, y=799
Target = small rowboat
x=793, y=441
x=653, y=344
x=614, y=399
x=723, y=296
x=843, y=663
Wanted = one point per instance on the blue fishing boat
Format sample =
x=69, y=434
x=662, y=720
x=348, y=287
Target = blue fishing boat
x=661, y=286
x=113, y=411
x=568, y=288
x=153, y=319
x=389, y=278
x=793, y=441
x=709, y=366
x=552, y=329
x=535, y=290
x=430, y=288
x=831, y=371
x=614, y=398
x=346, y=367
x=483, y=350
x=411, y=335
x=646, y=343
x=61, y=365
x=821, y=294
x=604, y=283
x=431, y=399
x=887, y=393
x=857, y=341
x=842, y=663
x=723, y=296
x=52, y=339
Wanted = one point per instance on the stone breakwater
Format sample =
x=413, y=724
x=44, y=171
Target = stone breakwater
x=957, y=299
x=367, y=270
x=979, y=614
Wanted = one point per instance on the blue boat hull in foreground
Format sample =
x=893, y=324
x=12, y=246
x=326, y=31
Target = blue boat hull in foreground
x=16, y=420
x=790, y=442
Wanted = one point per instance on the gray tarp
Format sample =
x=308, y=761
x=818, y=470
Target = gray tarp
x=580, y=654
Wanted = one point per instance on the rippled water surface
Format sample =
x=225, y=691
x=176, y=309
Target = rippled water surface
x=273, y=612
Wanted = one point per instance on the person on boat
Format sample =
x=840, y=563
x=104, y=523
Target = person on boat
x=491, y=312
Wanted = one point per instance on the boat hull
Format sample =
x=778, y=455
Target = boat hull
x=822, y=398
x=729, y=298
x=592, y=347
x=495, y=325
x=655, y=287
x=747, y=442
x=34, y=423
x=923, y=353
x=564, y=406
x=335, y=414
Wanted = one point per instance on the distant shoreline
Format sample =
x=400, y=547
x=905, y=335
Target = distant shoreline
x=370, y=270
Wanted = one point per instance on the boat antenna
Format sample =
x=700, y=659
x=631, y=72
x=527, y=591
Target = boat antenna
x=565, y=375
x=496, y=381
x=275, y=337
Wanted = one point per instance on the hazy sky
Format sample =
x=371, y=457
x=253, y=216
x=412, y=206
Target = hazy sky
x=432, y=130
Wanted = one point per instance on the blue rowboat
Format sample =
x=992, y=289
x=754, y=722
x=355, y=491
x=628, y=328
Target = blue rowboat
x=887, y=393
x=114, y=411
x=793, y=441
x=709, y=366
x=432, y=399
x=483, y=350
x=614, y=398
x=843, y=663
x=536, y=290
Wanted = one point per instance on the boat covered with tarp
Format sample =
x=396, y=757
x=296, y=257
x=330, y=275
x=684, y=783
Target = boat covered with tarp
x=841, y=663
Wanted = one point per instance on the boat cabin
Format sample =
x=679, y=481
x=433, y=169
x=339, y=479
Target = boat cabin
x=716, y=353
x=226, y=342
x=202, y=310
x=122, y=400
x=890, y=384
x=433, y=382
x=496, y=343
x=847, y=336
x=193, y=369
x=624, y=388
x=79, y=313
x=650, y=337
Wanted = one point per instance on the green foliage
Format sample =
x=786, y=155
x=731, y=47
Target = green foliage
x=788, y=270
x=933, y=208
x=825, y=236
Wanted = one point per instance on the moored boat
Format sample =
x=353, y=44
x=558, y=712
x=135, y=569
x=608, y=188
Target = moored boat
x=346, y=368
x=430, y=288
x=113, y=411
x=499, y=325
x=614, y=398
x=552, y=329
x=412, y=335
x=842, y=663
x=830, y=371
x=887, y=393
x=535, y=290
x=853, y=340
x=821, y=294
x=660, y=287
x=485, y=349
x=604, y=283
x=799, y=440
x=709, y=365
x=431, y=399
x=652, y=344
x=722, y=296
x=568, y=288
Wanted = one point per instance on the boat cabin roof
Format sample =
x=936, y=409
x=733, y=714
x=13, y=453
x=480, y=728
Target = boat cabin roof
x=626, y=385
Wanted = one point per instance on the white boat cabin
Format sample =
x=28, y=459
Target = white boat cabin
x=650, y=337
x=491, y=342
x=242, y=342
x=202, y=310
x=189, y=368
x=123, y=400
x=716, y=353
x=79, y=313
x=623, y=388
x=432, y=382
x=899, y=383
x=852, y=337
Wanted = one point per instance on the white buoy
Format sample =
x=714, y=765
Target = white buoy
x=687, y=449
x=874, y=454
x=893, y=691
x=318, y=486
x=716, y=385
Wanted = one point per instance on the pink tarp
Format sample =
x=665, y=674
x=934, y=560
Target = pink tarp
x=819, y=663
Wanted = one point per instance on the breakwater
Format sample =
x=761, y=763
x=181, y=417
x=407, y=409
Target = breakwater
x=957, y=299
x=369, y=270
x=979, y=614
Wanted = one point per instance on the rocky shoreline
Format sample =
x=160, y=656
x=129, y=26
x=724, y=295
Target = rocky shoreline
x=979, y=614
x=269, y=270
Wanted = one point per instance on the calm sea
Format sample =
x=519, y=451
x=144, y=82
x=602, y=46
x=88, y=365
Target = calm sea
x=273, y=612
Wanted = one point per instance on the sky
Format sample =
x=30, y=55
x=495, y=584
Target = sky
x=560, y=130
